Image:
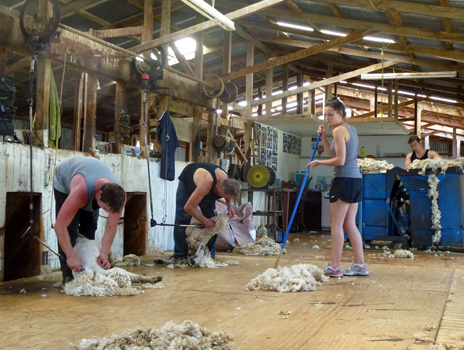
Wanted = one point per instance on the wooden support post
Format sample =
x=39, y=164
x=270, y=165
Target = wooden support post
x=90, y=113
x=199, y=38
x=328, y=89
x=119, y=106
x=260, y=95
x=376, y=95
x=284, y=87
x=390, y=98
x=249, y=78
x=144, y=120
x=313, y=103
x=165, y=20
x=299, y=97
x=42, y=110
x=78, y=112
x=336, y=90
x=269, y=87
x=196, y=133
x=213, y=154
x=427, y=142
x=455, y=144
x=226, y=64
x=397, y=86
x=417, y=115
x=248, y=134
x=2, y=59
x=458, y=146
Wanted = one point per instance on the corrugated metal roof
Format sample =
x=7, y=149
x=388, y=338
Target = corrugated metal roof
x=425, y=22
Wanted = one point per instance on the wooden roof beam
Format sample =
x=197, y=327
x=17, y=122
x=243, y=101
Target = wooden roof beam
x=353, y=24
x=325, y=82
x=293, y=56
x=243, y=12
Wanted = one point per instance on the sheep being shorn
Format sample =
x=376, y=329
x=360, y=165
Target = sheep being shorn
x=198, y=254
x=296, y=278
x=96, y=281
x=262, y=247
x=187, y=335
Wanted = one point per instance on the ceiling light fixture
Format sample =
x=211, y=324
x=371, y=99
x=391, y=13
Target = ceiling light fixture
x=413, y=75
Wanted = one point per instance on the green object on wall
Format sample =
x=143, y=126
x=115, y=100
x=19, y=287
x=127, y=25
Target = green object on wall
x=54, y=131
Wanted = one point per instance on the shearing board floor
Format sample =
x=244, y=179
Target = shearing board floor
x=401, y=298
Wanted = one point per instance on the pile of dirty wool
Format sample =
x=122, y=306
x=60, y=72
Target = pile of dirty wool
x=187, y=335
x=262, y=247
x=435, y=164
x=372, y=164
x=204, y=261
x=108, y=283
x=296, y=278
x=401, y=253
x=128, y=261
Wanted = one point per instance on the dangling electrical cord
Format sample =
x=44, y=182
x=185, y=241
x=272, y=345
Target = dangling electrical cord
x=30, y=101
x=145, y=85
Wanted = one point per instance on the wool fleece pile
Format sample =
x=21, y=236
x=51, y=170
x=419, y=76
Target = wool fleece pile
x=187, y=335
x=263, y=247
x=296, y=278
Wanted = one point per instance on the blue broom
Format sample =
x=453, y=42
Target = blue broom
x=303, y=183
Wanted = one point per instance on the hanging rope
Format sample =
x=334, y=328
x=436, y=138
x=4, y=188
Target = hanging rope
x=56, y=142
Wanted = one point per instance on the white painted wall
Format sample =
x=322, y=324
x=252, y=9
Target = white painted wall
x=287, y=164
x=131, y=171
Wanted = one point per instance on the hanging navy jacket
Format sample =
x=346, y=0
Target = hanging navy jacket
x=169, y=143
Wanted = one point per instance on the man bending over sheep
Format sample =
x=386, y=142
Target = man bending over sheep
x=82, y=186
x=200, y=185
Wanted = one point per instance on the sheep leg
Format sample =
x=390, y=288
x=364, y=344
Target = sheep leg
x=145, y=279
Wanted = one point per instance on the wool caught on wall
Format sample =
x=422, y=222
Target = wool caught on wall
x=436, y=213
x=187, y=335
x=296, y=278
x=372, y=164
x=127, y=261
x=262, y=247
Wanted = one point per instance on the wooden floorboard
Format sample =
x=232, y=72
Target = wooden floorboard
x=452, y=324
x=383, y=311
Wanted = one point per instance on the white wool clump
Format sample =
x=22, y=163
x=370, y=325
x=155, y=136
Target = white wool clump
x=316, y=247
x=128, y=260
x=187, y=335
x=347, y=246
x=105, y=283
x=203, y=261
x=435, y=164
x=436, y=213
x=296, y=278
x=372, y=164
x=296, y=240
x=401, y=253
x=263, y=247
x=22, y=291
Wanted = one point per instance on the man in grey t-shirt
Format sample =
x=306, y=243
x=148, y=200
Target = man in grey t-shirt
x=82, y=186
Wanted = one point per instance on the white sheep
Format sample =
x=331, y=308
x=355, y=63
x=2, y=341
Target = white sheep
x=96, y=281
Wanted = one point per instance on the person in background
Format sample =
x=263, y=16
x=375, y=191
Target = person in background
x=418, y=151
x=345, y=193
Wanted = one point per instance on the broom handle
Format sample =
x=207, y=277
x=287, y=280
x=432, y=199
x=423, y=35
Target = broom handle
x=297, y=202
